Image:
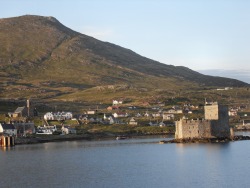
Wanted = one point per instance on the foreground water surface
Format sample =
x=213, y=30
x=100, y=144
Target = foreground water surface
x=135, y=162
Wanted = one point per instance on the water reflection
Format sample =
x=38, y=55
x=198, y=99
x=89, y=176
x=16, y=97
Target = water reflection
x=135, y=162
x=7, y=148
x=88, y=144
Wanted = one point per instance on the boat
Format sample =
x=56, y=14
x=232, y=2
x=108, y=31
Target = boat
x=121, y=137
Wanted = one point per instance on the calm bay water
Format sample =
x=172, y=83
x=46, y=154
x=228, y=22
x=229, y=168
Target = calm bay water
x=138, y=162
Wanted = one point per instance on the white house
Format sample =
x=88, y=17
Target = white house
x=174, y=111
x=58, y=116
x=110, y=119
x=168, y=116
x=68, y=115
x=156, y=114
x=105, y=117
x=161, y=124
x=120, y=114
x=48, y=116
x=91, y=112
x=132, y=121
x=68, y=130
x=138, y=115
x=8, y=129
x=232, y=112
x=116, y=102
x=146, y=114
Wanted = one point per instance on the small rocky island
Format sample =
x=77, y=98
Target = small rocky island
x=214, y=128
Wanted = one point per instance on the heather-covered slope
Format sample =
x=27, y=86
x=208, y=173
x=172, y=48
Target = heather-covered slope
x=40, y=57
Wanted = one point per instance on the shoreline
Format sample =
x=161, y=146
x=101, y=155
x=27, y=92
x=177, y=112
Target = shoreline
x=38, y=139
x=205, y=140
x=71, y=137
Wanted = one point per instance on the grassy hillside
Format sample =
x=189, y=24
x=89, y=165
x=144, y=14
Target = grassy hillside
x=43, y=59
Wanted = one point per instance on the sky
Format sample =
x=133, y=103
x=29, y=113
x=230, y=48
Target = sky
x=209, y=36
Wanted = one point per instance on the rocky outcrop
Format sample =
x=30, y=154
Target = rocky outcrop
x=206, y=140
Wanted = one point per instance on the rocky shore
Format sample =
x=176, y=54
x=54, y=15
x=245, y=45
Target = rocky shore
x=50, y=138
x=205, y=140
x=61, y=138
x=36, y=139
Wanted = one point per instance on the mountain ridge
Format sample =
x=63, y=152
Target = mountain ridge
x=39, y=53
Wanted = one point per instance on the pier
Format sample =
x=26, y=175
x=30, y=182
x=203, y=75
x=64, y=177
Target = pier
x=7, y=141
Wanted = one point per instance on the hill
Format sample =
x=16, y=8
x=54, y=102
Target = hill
x=43, y=59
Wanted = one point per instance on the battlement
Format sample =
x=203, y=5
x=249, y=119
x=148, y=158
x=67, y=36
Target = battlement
x=211, y=103
x=187, y=121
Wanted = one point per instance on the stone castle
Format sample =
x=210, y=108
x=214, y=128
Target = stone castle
x=215, y=124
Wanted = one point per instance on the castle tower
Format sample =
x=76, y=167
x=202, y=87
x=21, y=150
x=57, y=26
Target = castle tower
x=211, y=111
x=218, y=115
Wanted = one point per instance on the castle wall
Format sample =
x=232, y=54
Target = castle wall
x=193, y=129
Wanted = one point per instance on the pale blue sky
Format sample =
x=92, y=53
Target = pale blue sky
x=199, y=34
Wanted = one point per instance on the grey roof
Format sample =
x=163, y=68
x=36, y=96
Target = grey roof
x=19, y=109
x=7, y=126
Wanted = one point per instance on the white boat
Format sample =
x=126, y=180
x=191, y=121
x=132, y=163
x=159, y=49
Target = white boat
x=121, y=137
x=44, y=131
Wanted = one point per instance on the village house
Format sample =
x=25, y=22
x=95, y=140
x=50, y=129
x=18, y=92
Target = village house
x=85, y=118
x=191, y=106
x=117, y=102
x=107, y=116
x=232, y=112
x=244, y=126
x=132, y=107
x=146, y=114
x=68, y=130
x=8, y=129
x=109, y=119
x=132, y=121
x=138, y=115
x=156, y=123
x=153, y=123
x=24, y=128
x=91, y=112
x=175, y=111
x=246, y=122
x=19, y=112
x=120, y=114
x=162, y=124
x=167, y=116
x=95, y=120
x=58, y=116
x=48, y=116
x=157, y=114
